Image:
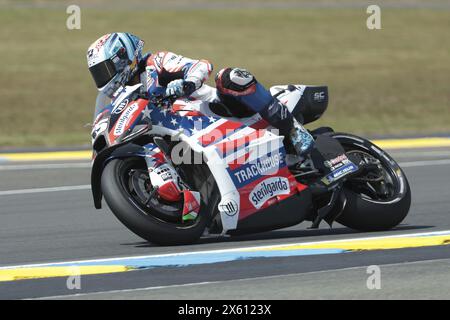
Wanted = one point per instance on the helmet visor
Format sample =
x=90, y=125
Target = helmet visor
x=103, y=72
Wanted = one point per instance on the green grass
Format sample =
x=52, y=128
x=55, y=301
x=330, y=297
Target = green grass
x=390, y=81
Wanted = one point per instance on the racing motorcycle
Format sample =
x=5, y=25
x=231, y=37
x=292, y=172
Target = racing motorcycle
x=235, y=177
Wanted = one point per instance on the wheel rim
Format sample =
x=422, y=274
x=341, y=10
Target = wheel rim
x=379, y=183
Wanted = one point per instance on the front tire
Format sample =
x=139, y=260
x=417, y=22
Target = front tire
x=146, y=222
x=369, y=213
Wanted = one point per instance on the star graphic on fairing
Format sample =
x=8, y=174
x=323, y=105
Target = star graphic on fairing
x=212, y=119
x=164, y=111
x=174, y=122
x=146, y=113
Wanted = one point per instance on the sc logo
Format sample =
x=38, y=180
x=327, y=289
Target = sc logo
x=319, y=96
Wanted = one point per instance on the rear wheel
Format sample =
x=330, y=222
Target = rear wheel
x=128, y=192
x=379, y=198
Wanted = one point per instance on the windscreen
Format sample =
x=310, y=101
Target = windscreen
x=101, y=103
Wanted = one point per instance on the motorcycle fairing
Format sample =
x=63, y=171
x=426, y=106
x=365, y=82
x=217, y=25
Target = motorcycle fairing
x=285, y=213
x=119, y=115
x=221, y=142
x=127, y=120
x=230, y=146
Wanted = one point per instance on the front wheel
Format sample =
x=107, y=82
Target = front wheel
x=126, y=188
x=380, y=198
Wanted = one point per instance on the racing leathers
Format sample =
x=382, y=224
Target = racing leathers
x=167, y=73
x=239, y=88
x=171, y=74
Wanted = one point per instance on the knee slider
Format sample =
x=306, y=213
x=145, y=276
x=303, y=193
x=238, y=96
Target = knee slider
x=235, y=81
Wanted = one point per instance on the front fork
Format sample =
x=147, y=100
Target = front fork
x=168, y=184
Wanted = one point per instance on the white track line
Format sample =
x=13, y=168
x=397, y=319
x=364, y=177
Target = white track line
x=415, y=154
x=43, y=190
x=288, y=275
x=22, y=167
x=85, y=187
x=250, y=248
x=424, y=163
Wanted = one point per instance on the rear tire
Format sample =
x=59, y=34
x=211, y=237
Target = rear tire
x=365, y=214
x=140, y=220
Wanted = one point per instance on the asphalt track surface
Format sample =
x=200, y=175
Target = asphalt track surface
x=48, y=224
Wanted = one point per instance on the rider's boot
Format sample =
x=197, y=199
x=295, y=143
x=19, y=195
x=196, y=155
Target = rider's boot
x=240, y=88
x=301, y=138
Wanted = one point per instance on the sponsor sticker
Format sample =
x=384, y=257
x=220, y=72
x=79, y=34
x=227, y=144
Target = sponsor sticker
x=125, y=119
x=332, y=162
x=230, y=207
x=267, y=165
x=164, y=173
x=319, y=96
x=100, y=42
x=337, y=162
x=268, y=189
x=118, y=109
x=340, y=173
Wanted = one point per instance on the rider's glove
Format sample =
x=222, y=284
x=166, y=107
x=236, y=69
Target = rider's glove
x=180, y=88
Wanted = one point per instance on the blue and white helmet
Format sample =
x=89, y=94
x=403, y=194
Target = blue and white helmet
x=112, y=59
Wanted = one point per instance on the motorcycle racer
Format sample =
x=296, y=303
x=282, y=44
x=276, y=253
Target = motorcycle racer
x=242, y=178
x=116, y=59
